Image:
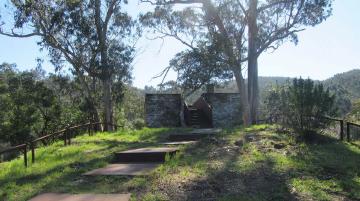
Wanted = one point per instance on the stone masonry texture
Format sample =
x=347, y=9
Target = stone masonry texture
x=163, y=110
x=226, y=108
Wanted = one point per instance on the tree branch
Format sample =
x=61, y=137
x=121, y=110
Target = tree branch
x=15, y=35
x=164, y=2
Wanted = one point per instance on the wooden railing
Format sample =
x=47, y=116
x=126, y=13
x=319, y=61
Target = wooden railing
x=342, y=123
x=342, y=128
x=348, y=126
x=66, y=133
x=21, y=147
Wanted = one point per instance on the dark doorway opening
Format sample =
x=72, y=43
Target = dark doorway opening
x=199, y=114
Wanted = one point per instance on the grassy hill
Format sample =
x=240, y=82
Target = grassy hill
x=256, y=163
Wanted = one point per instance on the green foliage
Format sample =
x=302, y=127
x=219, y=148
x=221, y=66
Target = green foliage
x=29, y=108
x=215, y=33
x=348, y=82
x=33, y=104
x=302, y=105
x=130, y=112
x=95, y=38
x=346, y=86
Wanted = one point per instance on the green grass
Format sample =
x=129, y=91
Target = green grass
x=58, y=168
x=213, y=169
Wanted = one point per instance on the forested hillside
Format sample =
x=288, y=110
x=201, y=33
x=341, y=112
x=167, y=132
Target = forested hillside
x=346, y=87
x=348, y=81
x=34, y=104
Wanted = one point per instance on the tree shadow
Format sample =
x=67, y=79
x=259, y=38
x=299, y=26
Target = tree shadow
x=227, y=183
x=334, y=161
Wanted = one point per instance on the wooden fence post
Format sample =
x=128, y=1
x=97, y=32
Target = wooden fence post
x=32, y=146
x=69, y=137
x=65, y=135
x=25, y=156
x=341, y=130
x=89, y=128
x=348, y=131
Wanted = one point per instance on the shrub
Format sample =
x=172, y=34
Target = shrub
x=139, y=123
x=302, y=106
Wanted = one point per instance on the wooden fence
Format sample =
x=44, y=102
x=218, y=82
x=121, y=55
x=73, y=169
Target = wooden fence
x=349, y=135
x=66, y=134
x=352, y=131
x=350, y=128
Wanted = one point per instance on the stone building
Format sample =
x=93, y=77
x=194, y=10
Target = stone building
x=210, y=110
x=163, y=110
x=225, y=108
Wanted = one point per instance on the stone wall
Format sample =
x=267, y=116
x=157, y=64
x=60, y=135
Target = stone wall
x=226, y=109
x=163, y=110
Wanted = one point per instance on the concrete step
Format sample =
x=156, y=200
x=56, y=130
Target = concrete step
x=188, y=136
x=206, y=131
x=81, y=197
x=130, y=169
x=179, y=143
x=145, y=155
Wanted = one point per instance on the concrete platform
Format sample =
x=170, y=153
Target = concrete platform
x=180, y=143
x=81, y=197
x=125, y=169
x=188, y=136
x=194, y=135
x=145, y=155
x=206, y=131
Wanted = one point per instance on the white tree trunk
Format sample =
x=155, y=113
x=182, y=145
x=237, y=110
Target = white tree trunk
x=107, y=104
x=253, y=88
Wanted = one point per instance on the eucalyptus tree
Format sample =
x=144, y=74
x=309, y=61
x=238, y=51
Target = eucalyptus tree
x=272, y=22
x=28, y=107
x=214, y=37
x=94, y=36
x=240, y=31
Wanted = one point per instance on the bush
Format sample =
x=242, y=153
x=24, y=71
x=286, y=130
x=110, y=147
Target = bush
x=139, y=123
x=301, y=106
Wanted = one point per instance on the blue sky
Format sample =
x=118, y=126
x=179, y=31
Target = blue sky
x=329, y=48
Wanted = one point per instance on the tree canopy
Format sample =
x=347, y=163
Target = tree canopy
x=234, y=33
x=95, y=37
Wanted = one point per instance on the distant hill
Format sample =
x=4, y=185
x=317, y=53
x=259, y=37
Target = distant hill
x=345, y=85
x=348, y=83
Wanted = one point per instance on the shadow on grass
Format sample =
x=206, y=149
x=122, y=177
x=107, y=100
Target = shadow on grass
x=226, y=183
x=332, y=160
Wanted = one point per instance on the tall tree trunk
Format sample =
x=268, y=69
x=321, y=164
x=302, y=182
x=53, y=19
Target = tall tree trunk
x=240, y=82
x=213, y=17
x=253, y=87
x=107, y=104
x=101, y=29
x=89, y=95
x=94, y=112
